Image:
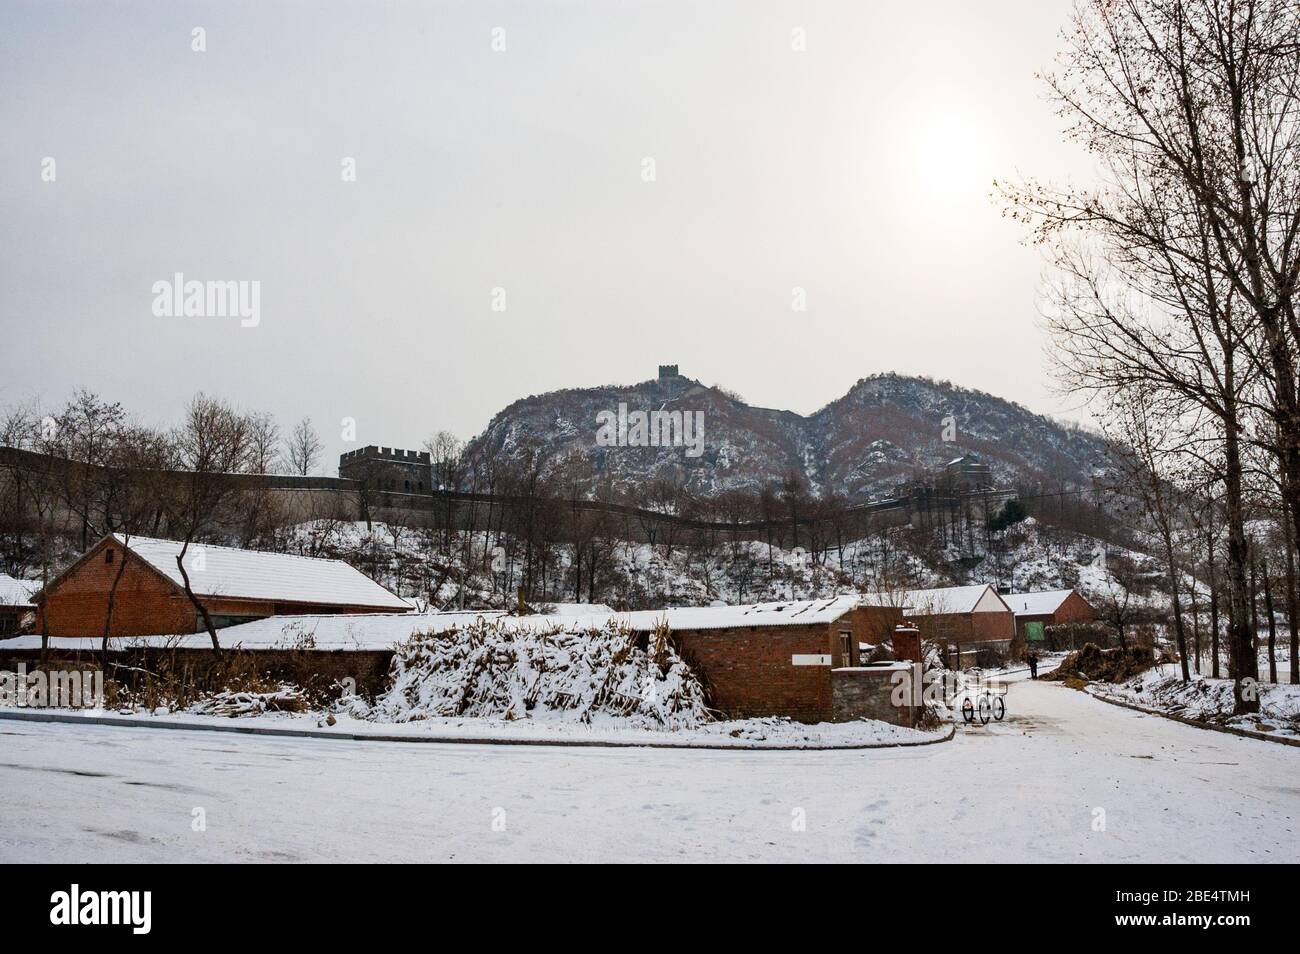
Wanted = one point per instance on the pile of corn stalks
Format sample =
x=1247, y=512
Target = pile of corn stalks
x=504, y=670
x=231, y=703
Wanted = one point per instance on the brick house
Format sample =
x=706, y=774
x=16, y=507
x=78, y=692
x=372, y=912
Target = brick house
x=15, y=604
x=966, y=617
x=235, y=586
x=773, y=659
x=1034, y=611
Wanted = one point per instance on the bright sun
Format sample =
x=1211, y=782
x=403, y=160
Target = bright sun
x=951, y=158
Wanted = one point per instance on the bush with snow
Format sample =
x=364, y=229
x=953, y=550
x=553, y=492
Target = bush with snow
x=501, y=669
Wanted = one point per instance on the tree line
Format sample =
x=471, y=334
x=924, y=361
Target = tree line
x=1172, y=296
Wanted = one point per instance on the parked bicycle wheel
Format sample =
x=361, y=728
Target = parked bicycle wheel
x=968, y=710
x=986, y=710
x=999, y=708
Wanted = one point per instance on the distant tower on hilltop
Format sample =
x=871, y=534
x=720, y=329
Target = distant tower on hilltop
x=667, y=371
x=388, y=468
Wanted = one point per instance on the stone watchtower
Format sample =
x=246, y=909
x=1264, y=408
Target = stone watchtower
x=667, y=371
x=388, y=469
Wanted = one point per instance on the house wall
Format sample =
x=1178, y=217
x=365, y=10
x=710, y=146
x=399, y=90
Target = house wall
x=146, y=604
x=967, y=628
x=1075, y=609
x=876, y=623
x=750, y=670
x=316, y=668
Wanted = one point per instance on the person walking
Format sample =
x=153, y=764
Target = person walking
x=1033, y=664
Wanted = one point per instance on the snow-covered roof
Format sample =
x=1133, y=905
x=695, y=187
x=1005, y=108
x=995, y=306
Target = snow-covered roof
x=576, y=609
x=781, y=613
x=354, y=631
x=952, y=599
x=384, y=630
x=1037, y=604
x=254, y=575
x=16, y=592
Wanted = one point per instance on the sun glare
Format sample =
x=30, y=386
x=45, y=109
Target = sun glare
x=951, y=158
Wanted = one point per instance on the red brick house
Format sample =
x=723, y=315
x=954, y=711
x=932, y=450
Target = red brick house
x=773, y=658
x=1034, y=611
x=969, y=617
x=235, y=586
x=15, y=604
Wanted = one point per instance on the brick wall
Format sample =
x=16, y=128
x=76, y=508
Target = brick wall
x=992, y=627
x=907, y=644
x=875, y=624
x=1075, y=609
x=967, y=628
x=310, y=669
x=868, y=694
x=749, y=669
x=145, y=603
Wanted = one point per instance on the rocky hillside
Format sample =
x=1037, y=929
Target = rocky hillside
x=863, y=445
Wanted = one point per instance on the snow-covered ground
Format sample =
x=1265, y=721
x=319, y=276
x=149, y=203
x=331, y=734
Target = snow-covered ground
x=1066, y=778
x=1209, y=700
x=555, y=727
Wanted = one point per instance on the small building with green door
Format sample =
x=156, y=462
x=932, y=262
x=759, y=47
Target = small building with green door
x=1036, y=611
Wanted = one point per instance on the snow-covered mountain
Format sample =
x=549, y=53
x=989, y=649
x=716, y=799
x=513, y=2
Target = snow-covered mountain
x=885, y=429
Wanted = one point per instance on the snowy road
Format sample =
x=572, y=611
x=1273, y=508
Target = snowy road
x=1029, y=789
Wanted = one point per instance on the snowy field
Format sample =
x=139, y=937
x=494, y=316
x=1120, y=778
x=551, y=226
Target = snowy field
x=1066, y=778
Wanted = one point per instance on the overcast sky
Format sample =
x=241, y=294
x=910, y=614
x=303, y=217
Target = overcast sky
x=858, y=170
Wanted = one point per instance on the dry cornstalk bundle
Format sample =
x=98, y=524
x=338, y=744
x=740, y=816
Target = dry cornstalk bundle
x=510, y=670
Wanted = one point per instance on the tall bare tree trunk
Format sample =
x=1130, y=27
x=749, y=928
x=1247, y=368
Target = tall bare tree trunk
x=1180, y=634
x=1272, y=627
x=1242, y=663
x=197, y=603
x=1214, y=610
x=1294, y=637
x=1196, y=627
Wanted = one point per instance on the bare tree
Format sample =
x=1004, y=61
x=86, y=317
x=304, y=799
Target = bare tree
x=303, y=448
x=264, y=444
x=212, y=446
x=1145, y=436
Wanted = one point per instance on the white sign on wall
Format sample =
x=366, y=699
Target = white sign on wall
x=809, y=659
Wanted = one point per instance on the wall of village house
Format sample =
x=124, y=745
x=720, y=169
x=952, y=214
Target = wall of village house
x=321, y=669
x=145, y=603
x=1075, y=609
x=750, y=672
x=966, y=628
x=992, y=627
